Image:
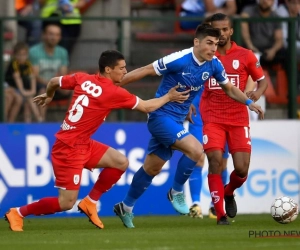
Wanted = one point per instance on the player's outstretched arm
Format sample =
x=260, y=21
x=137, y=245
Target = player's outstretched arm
x=236, y=94
x=46, y=98
x=153, y=104
x=138, y=74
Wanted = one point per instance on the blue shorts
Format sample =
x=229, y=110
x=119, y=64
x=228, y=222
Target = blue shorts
x=226, y=153
x=165, y=131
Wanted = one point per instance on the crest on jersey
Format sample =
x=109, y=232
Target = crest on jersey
x=235, y=64
x=205, y=76
x=205, y=139
x=76, y=179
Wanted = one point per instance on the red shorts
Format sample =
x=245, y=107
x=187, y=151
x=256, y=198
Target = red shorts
x=69, y=162
x=215, y=135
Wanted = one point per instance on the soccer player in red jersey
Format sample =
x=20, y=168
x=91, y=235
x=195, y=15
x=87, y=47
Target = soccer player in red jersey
x=93, y=98
x=227, y=120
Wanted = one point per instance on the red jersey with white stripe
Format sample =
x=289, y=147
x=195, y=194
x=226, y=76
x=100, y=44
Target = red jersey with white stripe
x=93, y=98
x=215, y=105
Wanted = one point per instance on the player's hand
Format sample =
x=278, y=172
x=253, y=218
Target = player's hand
x=42, y=100
x=176, y=96
x=269, y=54
x=257, y=109
x=253, y=95
x=192, y=112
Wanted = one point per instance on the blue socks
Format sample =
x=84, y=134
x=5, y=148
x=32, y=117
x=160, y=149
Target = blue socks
x=224, y=176
x=140, y=182
x=195, y=182
x=184, y=169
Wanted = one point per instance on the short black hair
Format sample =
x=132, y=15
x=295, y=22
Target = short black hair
x=47, y=23
x=205, y=29
x=109, y=58
x=220, y=17
x=20, y=46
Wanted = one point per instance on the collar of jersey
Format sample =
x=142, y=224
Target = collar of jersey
x=195, y=58
x=233, y=47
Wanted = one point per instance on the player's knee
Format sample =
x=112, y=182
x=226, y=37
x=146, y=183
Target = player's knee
x=241, y=172
x=67, y=204
x=123, y=163
x=152, y=171
x=215, y=166
x=200, y=162
x=197, y=156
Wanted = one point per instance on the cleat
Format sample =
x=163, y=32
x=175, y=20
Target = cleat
x=125, y=217
x=223, y=221
x=212, y=213
x=89, y=209
x=230, y=205
x=14, y=219
x=195, y=211
x=178, y=202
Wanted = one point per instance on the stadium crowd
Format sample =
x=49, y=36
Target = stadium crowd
x=271, y=50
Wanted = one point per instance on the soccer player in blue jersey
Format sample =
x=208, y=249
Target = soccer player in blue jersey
x=195, y=127
x=188, y=69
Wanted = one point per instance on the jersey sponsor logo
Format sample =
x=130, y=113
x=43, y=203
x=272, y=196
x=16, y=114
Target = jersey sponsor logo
x=192, y=88
x=234, y=79
x=185, y=73
x=161, y=64
x=91, y=88
x=257, y=64
x=205, y=75
x=76, y=179
x=214, y=196
x=235, y=64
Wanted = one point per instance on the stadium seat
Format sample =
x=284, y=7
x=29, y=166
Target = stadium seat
x=277, y=91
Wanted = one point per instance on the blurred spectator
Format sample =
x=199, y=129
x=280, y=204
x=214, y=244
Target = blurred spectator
x=19, y=76
x=13, y=103
x=263, y=38
x=71, y=28
x=26, y=8
x=227, y=7
x=191, y=8
x=204, y=8
x=241, y=4
x=291, y=8
x=49, y=60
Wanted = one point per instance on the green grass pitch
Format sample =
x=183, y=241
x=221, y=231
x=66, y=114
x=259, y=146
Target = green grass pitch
x=152, y=232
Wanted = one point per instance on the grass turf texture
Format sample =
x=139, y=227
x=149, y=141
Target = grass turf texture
x=151, y=232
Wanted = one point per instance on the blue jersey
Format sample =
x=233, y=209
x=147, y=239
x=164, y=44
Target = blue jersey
x=184, y=69
x=196, y=102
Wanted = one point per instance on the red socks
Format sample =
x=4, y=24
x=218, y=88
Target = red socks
x=234, y=183
x=216, y=189
x=107, y=178
x=49, y=205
